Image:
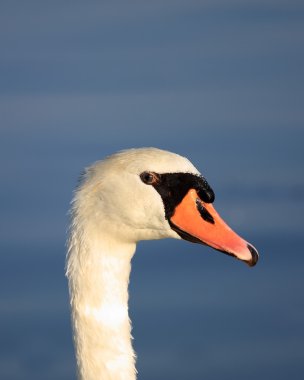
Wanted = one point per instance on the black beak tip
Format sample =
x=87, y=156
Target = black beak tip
x=254, y=256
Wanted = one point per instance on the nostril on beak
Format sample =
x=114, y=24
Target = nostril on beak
x=254, y=255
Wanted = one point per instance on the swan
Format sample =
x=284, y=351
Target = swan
x=133, y=195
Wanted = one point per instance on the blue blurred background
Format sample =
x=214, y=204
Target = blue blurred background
x=220, y=82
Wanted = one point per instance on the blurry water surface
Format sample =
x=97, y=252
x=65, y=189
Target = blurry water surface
x=196, y=313
x=220, y=82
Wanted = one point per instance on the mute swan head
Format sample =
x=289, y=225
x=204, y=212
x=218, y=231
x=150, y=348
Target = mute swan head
x=143, y=194
x=133, y=195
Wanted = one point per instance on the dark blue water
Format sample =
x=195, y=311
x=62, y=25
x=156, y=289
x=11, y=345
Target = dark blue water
x=220, y=82
x=196, y=313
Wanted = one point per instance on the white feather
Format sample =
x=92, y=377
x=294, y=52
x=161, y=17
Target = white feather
x=111, y=211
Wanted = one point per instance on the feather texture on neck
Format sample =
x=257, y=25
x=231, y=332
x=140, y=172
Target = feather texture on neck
x=98, y=272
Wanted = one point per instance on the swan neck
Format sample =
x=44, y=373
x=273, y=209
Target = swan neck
x=98, y=274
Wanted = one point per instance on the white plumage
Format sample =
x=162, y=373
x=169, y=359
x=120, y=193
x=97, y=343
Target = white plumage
x=111, y=211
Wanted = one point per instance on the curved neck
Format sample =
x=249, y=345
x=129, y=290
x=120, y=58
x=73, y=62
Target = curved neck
x=98, y=274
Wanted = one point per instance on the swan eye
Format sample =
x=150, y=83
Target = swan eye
x=149, y=178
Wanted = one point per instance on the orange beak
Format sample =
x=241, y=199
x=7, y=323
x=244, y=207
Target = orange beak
x=199, y=222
